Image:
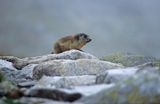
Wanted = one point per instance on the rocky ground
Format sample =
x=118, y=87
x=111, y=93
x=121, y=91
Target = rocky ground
x=79, y=78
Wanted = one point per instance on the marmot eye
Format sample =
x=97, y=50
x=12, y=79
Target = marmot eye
x=85, y=36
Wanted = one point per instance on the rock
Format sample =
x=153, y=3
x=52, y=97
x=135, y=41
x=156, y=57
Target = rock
x=72, y=75
x=66, y=81
x=53, y=94
x=72, y=55
x=15, y=61
x=147, y=66
x=9, y=74
x=85, y=86
x=142, y=88
x=6, y=64
x=72, y=67
x=7, y=70
x=85, y=89
x=9, y=90
x=24, y=77
x=27, y=84
x=115, y=75
x=26, y=72
x=28, y=100
x=15, y=76
x=88, y=90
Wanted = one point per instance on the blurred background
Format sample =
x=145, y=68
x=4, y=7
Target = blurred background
x=30, y=27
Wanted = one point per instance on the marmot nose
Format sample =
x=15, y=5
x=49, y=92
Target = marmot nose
x=89, y=40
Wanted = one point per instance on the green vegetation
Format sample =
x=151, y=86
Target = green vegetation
x=115, y=58
x=11, y=101
x=130, y=60
x=157, y=63
x=1, y=77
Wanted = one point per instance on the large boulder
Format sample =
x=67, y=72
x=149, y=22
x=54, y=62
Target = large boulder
x=72, y=55
x=72, y=67
x=142, y=88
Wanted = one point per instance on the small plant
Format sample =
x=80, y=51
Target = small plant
x=11, y=101
x=157, y=63
x=1, y=77
x=116, y=58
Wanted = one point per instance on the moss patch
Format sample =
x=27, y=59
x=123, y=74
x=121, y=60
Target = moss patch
x=1, y=77
x=135, y=98
x=11, y=101
x=129, y=60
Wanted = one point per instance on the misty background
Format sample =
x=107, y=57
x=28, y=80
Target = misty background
x=30, y=27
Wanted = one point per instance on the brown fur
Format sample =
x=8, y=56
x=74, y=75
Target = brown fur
x=71, y=42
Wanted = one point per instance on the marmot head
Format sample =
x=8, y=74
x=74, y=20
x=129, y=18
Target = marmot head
x=83, y=37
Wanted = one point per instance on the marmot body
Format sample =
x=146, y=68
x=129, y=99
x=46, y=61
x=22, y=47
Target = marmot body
x=71, y=42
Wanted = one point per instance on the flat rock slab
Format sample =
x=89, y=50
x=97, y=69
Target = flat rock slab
x=66, y=81
x=73, y=67
x=88, y=90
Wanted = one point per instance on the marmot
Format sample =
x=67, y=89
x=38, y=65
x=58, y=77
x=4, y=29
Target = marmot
x=76, y=41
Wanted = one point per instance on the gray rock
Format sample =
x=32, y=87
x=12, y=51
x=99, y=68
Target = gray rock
x=85, y=90
x=115, y=75
x=9, y=74
x=9, y=90
x=147, y=66
x=85, y=85
x=28, y=100
x=142, y=88
x=72, y=67
x=6, y=64
x=53, y=94
x=15, y=61
x=72, y=55
x=27, y=71
x=26, y=84
x=88, y=90
x=18, y=76
x=66, y=81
